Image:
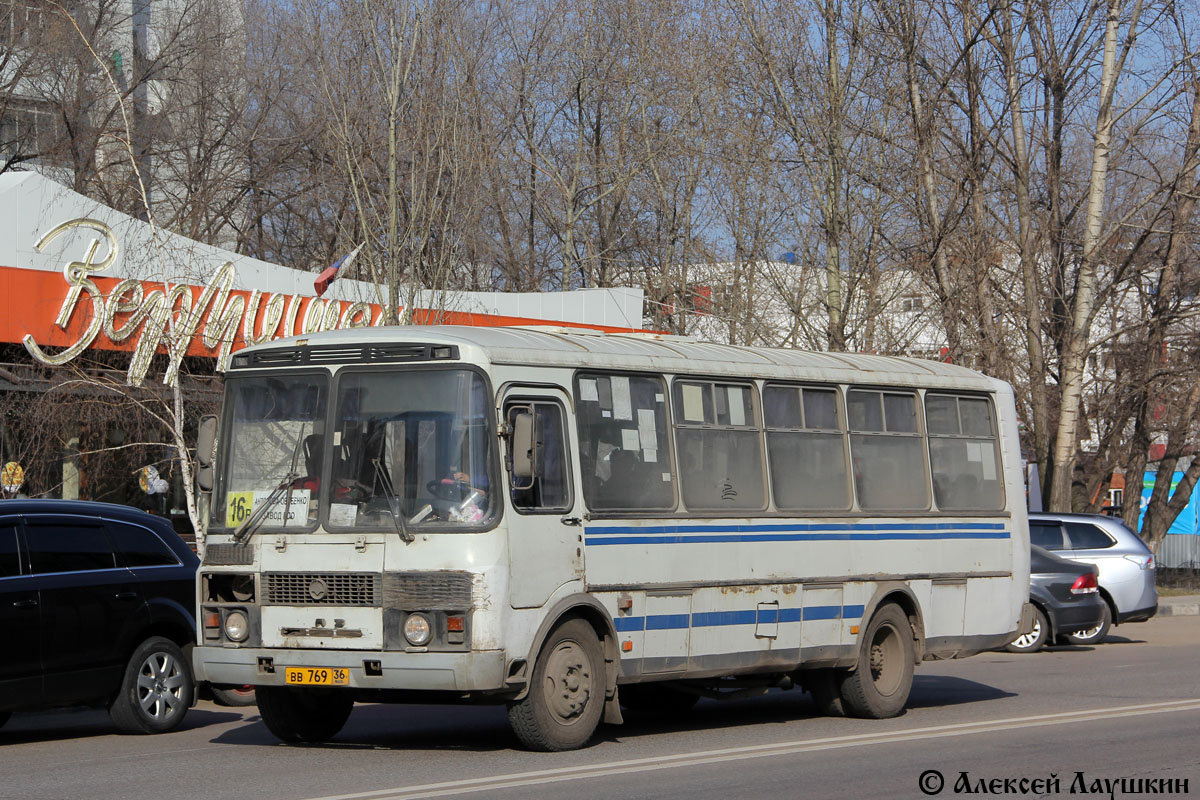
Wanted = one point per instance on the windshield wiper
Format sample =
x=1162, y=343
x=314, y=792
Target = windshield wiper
x=246, y=528
x=394, y=509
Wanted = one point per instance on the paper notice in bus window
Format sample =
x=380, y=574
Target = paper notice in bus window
x=647, y=430
x=693, y=403
x=629, y=439
x=343, y=515
x=587, y=390
x=974, y=452
x=281, y=513
x=737, y=406
x=649, y=455
x=666, y=477
x=622, y=404
x=989, y=465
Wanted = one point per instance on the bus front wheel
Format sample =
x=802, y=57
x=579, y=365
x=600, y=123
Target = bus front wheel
x=566, y=698
x=303, y=715
x=879, y=687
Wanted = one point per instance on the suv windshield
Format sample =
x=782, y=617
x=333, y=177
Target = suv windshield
x=272, y=442
x=412, y=447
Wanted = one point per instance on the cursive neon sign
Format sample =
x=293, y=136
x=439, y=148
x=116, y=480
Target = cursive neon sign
x=178, y=319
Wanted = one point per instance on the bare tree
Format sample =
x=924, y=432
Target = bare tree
x=395, y=99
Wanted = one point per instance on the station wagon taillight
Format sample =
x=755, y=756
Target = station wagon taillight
x=1143, y=562
x=1085, y=584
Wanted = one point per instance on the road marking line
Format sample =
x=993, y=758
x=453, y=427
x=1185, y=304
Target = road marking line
x=518, y=779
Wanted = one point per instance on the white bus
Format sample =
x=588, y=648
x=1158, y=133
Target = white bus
x=569, y=522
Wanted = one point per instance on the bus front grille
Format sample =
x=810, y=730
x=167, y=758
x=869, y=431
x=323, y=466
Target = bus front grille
x=321, y=589
x=449, y=590
x=228, y=555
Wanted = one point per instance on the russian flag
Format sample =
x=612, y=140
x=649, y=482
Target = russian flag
x=330, y=274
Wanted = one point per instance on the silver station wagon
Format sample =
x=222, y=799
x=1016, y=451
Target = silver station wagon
x=1124, y=562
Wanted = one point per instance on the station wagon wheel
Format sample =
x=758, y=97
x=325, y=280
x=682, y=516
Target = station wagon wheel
x=1034, y=640
x=879, y=687
x=1097, y=634
x=157, y=689
x=233, y=696
x=566, y=696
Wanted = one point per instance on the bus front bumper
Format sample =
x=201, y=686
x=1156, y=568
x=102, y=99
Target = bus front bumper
x=464, y=672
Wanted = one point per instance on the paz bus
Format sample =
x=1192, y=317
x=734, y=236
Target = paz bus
x=571, y=522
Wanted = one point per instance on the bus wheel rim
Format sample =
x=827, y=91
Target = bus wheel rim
x=568, y=683
x=885, y=656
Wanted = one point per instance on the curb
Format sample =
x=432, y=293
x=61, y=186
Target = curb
x=1179, y=610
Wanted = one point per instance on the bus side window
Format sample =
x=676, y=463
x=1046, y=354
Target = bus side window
x=719, y=445
x=887, y=451
x=964, y=453
x=806, y=448
x=625, y=455
x=549, y=491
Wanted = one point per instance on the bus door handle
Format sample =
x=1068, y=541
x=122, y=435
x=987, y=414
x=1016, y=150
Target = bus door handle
x=573, y=521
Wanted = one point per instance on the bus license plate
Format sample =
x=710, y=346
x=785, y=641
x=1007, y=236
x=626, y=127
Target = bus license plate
x=317, y=676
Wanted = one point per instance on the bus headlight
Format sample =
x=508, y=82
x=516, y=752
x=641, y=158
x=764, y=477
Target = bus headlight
x=417, y=629
x=237, y=627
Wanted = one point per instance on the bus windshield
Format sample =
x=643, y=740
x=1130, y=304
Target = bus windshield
x=406, y=449
x=273, y=424
x=412, y=446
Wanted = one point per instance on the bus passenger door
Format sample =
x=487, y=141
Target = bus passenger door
x=545, y=539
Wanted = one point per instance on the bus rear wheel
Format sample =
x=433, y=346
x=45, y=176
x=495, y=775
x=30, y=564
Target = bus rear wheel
x=879, y=687
x=566, y=697
x=303, y=715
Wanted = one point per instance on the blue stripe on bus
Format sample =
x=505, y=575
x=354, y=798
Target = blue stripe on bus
x=849, y=527
x=823, y=612
x=663, y=622
x=713, y=619
x=795, y=537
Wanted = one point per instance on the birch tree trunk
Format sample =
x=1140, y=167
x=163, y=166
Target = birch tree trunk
x=1071, y=375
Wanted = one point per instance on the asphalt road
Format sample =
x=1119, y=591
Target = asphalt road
x=1128, y=709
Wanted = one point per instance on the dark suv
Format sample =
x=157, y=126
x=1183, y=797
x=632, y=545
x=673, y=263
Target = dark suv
x=95, y=604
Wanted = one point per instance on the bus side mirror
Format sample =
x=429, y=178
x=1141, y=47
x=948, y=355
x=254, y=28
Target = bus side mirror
x=206, y=442
x=523, y=449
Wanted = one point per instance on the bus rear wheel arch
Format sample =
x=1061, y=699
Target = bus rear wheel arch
x=879, y=686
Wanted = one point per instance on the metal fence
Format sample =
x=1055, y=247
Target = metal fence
x=1179, y=550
